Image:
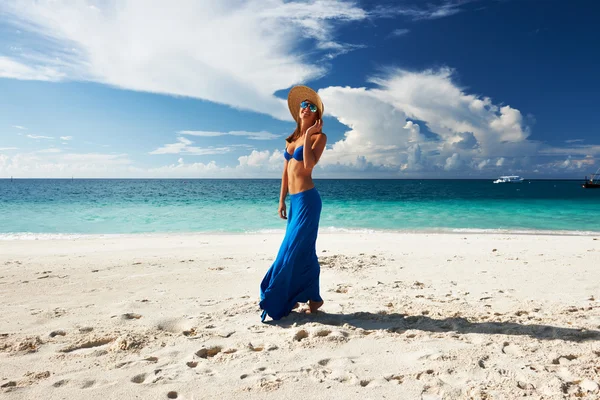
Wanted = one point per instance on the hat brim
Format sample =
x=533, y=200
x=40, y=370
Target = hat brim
x=300, y=93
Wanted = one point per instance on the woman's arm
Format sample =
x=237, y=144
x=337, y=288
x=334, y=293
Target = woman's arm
x=313, y=150
x=284, y=191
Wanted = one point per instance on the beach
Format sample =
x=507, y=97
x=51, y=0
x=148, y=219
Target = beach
x=406, y=315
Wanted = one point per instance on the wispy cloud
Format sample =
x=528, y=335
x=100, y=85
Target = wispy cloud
x=574, y=140
x=52, y=164
x=19, y=127
x=262, y=135
x=432, y=11
x=225, y=51
x=582, y=150
x=184, y=146
x=65, y=138
x=8, y=148
x=399, y=32
x=40, y=137
x=14, y=69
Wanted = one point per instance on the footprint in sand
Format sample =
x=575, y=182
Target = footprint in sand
x=511, y=349
x=344, y=377
x=424, y=373
x=140, y=378
x=60, y=383
x=87, y=344
x=255, y=348
x=482, y=361
x=398, y=379
x=191, y=332
x=209, y=352
x=341, y=289
x=256, y=329
x=301, y=334
x=319, y=374
x=322, y=333
x=564, y=359
x=87, y=384
x=207, y=372
x=131, y=316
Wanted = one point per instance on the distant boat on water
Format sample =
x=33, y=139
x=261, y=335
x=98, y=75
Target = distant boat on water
x=509, y=179
x=593, y=182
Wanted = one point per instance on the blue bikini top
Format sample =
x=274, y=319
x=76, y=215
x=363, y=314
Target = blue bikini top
x=298, y=154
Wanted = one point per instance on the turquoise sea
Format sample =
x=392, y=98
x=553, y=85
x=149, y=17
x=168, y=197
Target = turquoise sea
x=30, y=207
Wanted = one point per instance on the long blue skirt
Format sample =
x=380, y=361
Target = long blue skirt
x=294, y=276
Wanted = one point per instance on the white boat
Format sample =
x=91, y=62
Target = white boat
x=509, y=179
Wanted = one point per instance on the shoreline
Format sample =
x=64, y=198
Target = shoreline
x=35, y=236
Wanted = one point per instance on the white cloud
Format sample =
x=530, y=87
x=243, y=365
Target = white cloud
x=482, y=164
x=51, y=164
x=463, y=130
x=225, y=51
x=262, y=135
x=399, y=32
x=19, y=127
x=66, y=138
x=263, y=164
x=574, y=164
x=183, y=146
x=8, y=148
x=432, y=11
x=10, y=68
x=453, y=162
x=40, y=137
x=581, y=150
x=262, y=159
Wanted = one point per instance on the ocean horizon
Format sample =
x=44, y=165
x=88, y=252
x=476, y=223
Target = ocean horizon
x=32, y=208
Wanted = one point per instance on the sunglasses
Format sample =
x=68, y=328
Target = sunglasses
x=312, y=107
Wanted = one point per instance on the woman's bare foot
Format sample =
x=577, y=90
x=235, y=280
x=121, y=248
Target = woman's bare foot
x=314, y=306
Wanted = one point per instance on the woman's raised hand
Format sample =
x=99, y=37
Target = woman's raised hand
x=315, y=128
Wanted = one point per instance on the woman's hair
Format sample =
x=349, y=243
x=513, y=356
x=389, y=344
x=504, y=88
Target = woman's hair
x=297, y=133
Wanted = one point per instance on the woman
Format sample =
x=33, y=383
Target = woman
x=294, y=276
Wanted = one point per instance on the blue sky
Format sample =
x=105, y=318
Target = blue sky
x=412, y=89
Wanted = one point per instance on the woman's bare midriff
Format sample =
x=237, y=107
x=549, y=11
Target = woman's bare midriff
x=299, y=178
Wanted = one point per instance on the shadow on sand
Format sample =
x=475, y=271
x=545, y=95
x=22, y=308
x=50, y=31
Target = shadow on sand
x=398, y=323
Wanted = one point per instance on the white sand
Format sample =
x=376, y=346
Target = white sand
x=407, y=316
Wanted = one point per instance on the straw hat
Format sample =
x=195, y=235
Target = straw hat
x=300, y=93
